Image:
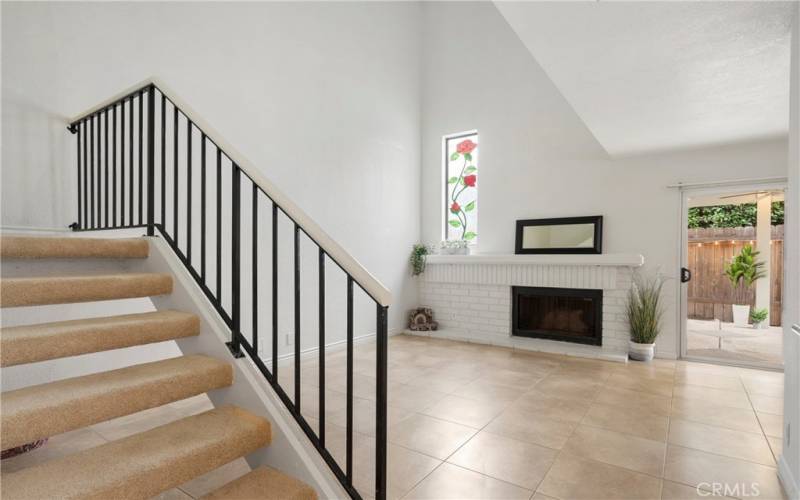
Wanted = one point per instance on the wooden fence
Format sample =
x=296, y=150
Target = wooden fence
x=710, y=292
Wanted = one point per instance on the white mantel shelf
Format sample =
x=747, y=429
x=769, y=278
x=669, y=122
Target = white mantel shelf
x=609, y=259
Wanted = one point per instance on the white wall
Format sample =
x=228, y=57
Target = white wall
x=537, y=159
x=323, y=97
x=335, y=122
x=790, y=461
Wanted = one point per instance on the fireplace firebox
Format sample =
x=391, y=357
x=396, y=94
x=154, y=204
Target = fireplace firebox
x=566, y=314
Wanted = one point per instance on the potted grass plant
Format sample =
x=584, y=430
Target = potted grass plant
x=743, y=271
x=644, y=311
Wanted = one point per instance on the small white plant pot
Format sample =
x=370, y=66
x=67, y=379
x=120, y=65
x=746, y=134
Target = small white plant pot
x=740, y=314
x=760, y=325
x=640, y=352
x=455, y=251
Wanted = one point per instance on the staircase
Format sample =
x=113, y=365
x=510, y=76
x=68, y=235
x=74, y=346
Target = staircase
x=144, y=464
x=224, y=237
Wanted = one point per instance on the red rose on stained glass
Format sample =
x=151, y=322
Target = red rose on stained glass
x=470, y=180
x=455, y=207
x=466, y=146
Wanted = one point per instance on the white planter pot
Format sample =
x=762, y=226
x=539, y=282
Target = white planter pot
x=741, y=314
x=640, y=352
x=761, y=325
x=455, y=251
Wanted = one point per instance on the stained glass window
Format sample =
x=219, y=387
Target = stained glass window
x=461, y=187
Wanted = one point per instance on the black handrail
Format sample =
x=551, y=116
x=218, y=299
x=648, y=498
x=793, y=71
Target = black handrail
x=97, y=184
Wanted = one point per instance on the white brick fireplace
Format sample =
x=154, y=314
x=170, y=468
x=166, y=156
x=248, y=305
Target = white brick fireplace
x=471, y=297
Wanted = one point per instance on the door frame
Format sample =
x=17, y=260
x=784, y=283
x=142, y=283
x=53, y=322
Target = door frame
x=691, y=191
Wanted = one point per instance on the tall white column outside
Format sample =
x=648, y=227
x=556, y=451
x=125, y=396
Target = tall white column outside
x=763, y=236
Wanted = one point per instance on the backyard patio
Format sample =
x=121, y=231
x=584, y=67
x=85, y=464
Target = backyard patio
x=724, y=341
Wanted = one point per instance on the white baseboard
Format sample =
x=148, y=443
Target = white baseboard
x=338, y=344
x=530, y=345
x=789, y=482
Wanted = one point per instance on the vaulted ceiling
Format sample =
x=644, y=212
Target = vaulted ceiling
x=651, y=76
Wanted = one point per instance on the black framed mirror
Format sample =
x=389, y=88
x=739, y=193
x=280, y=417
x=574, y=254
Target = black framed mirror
x=563, y=235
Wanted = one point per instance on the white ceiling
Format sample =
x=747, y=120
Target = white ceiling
x=651, y=76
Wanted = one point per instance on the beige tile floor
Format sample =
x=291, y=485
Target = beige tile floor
x=474, y=421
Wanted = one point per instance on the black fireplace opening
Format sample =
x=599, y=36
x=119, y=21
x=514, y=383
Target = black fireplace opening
x=567, y=314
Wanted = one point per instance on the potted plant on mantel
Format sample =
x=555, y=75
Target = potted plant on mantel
x=454, y=247
x=743, y=271
x=644, y=311
x=418, y=259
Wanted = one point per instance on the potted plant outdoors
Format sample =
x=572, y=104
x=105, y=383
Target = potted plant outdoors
x=759, y=317
x=644, y=311
x=418, y=259
x=743, y=271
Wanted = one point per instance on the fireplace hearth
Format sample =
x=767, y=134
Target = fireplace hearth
x=566, y=314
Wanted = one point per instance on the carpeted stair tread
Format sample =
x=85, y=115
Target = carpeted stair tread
x=146, y=464
x=264, y=483
x=15, y=292
x=49, y=409
x=32, y=343
x=44, y=247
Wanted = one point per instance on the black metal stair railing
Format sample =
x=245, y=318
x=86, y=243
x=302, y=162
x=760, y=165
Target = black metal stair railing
x=120, y=182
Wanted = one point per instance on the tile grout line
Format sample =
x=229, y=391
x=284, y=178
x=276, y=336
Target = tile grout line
x=533, y=491
x=760, y=425
x=561, y=450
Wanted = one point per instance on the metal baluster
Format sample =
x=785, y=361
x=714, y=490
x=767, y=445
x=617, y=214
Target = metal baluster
x=85, y=177
x=219, y=227
x=130, y=162
x=254, y=274
x=114, y=165
x=151, y=161
x=381, y=401
x=122, y=163
x=188, y=190
x=203, y=208
x=274, y=293
x=77, y=128
x=297, y=318
x=235, y=261
x=105, y=162
x=321, y=347
x=163, y=162
x=98, y=173
x=175, y=176
x=141, y=172
x=349, y=397
x=91, y=171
